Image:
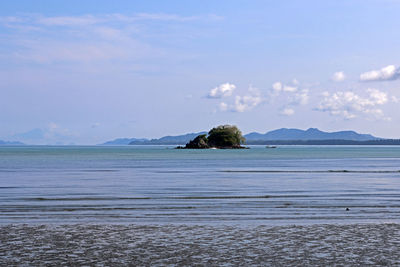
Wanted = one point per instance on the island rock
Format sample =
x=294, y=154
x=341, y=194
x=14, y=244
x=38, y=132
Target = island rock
x=199, y=142
x=223, y=137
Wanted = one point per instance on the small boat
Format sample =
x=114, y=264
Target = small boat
x=270, y=147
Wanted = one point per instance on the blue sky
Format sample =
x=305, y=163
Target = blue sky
x=85, y=72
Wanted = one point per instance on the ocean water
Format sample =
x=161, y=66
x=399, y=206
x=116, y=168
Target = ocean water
x=161, y=185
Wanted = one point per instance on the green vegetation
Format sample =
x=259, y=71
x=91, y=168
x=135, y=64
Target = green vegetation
x=223, y=136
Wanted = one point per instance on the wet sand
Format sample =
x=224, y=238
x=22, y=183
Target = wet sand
x=183, y=245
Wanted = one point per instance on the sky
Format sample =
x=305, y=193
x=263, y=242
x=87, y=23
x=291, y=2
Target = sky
x=84, y=72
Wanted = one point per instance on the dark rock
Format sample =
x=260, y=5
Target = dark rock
x=221, y=137
x=198, y=143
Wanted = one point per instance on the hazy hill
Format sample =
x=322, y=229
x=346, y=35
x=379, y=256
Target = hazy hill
x=124, y=141
x=310, y=134
x=175, y=140
x=12, y=143
x=377, y=142
x=280, y=134
x=166, y=140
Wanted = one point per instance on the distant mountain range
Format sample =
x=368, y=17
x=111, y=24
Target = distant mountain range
x=310, y=134
x=166, y=140
x=125, y=141
x=337, y=142
x=283, y=134
x=45, y=136
x=10, y=143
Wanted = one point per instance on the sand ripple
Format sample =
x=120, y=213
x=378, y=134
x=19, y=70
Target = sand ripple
x=183, y=245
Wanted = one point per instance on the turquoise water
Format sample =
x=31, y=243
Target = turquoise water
x=158, y=184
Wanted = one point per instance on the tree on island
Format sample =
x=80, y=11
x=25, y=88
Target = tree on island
x=223, y=136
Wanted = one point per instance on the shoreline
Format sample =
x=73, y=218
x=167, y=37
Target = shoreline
x=104, y=244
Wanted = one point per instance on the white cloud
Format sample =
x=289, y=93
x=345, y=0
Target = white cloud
x=287, y=112
x=289, y=89
x=385, y=74
x=277, y=86
x=223, y=90
x=300, y=98
x=69, y=20
x=289, y=95
x=247, y=102
x=110, y=34
x=338, y=76
x=120, y=39
x=223, y=106
x=349, y=104
x=95, y=43
x=163, y=17
x=395, y=99
x=377, y=97
x=56, y=52
x=241, y=103
x=88, y=20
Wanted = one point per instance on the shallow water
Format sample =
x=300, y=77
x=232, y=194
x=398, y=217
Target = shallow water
x=160, y=185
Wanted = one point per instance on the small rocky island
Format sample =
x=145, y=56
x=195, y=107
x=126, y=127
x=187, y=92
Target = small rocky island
x=221, y=137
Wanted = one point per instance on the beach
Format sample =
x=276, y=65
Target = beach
x=199, y=245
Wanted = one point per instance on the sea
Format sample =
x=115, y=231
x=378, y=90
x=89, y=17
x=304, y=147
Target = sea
x=286, y=185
